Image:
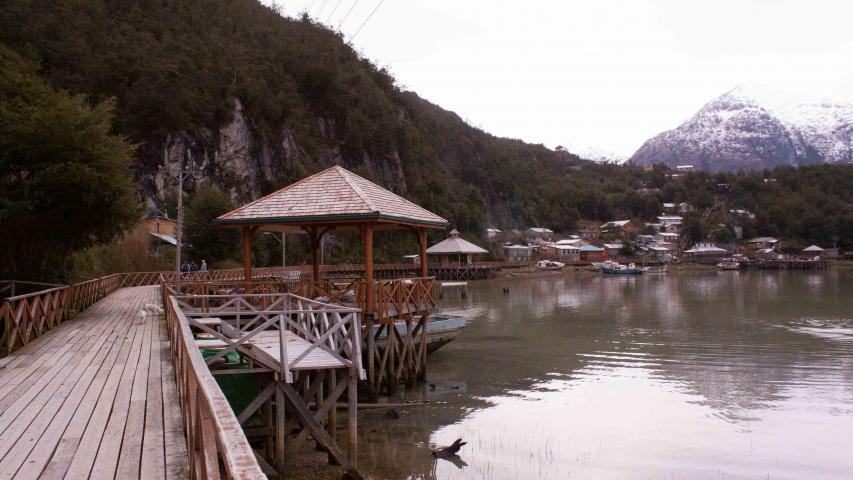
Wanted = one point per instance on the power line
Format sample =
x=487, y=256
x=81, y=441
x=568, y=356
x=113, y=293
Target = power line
x=333, y=11
x=321, y=8
x=347, y=14
x=311, y=6
x=366, y=20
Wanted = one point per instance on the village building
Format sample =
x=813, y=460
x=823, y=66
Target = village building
x=517, y=253
x=492, y=233
x=760, y=243
x=625, y=228
x=660, y=253
x=813, y=251
x=685, y=207
x=670, y=223
x=564, y=253
x=670, y=208
x=613, y=249
x=591, y=253
x=455, y=250
x=411, y=259
x=592, y=233
x=742, y=215
x=540, y=233
x=574, y=242
x=162, y=228
x=706, y=249
x=684, y=168
x=667, y=237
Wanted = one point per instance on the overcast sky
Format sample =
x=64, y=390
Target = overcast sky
x=601, y=74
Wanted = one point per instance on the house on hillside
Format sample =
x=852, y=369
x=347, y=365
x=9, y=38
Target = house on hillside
x=760, y=243
x=564, y=253
x=624, y=228
x=613, y=249
x=667, y=237
x=670, y=208
x=685, y=207
x=455, y=250
x=540, y=233
x=162, y=231
x=660, y=253
x=590, y=233
x=670, y=223
x=574, y=242
x=591, y=253
x=742, y=215
x=517, y=253
x=492, y=233
x=705, y=250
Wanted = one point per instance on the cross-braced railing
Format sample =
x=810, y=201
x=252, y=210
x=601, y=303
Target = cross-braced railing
x=217, y=446
x=395, y=298
x=244, y=319
x=24, y=318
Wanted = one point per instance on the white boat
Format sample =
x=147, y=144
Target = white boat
x=549, y=265
x=729, y=265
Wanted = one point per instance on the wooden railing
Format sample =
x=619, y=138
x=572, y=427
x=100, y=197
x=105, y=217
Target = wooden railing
x=217, y=446
x=332, y=328
x=27, y=317
x=404, y=296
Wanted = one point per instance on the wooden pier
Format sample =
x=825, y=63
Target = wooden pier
x=95, y=397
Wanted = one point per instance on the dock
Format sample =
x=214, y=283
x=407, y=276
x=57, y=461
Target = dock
x=95, y=397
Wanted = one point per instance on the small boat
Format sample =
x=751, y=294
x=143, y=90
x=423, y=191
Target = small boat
x=729, y=265
x=549, y=265
x=441, y=330
x=616, y=268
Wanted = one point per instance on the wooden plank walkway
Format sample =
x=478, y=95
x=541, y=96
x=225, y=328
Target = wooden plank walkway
x=94, y=398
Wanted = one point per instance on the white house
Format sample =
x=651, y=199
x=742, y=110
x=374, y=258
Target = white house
x=667, y=237
x=706, y=249
x=540, y=232
x=492, y=233
x=517, y=252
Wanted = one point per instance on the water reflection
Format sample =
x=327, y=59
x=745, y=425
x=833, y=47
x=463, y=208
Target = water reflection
x=738, y=374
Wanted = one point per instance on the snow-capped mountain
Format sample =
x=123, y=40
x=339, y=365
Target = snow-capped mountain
x=595, y=154
x=754, y=127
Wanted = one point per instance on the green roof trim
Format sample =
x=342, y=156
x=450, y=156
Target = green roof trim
x=320, y=218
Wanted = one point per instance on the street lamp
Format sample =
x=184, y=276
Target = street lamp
x=283, y=242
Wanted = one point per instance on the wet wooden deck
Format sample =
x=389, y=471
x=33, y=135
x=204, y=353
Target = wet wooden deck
x=94, y=398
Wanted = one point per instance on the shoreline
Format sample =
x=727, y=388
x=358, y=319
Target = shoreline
x=573, y=270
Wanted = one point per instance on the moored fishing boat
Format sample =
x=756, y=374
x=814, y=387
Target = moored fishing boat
x=616, y=268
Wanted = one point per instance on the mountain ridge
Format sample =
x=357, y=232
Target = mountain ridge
x=745, y=128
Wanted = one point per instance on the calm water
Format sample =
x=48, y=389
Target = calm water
x=708, y=375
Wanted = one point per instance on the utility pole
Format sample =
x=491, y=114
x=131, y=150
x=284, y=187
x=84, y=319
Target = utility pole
x=283, y=242
x=182, y=174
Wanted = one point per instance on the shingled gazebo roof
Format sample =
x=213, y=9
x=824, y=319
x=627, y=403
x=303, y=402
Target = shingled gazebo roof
x=334, y=196
x=455, y=245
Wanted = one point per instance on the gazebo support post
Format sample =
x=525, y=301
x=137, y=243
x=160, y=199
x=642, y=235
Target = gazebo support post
x=248, y=237
x=367, y=236
x=422, y=240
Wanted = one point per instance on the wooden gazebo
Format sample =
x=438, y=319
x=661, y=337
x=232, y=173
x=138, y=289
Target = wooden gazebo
x=333, y=200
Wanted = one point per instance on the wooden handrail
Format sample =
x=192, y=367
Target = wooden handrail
x=27, y=317
x=214, y=434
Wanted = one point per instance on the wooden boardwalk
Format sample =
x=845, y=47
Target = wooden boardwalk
x=94, y=398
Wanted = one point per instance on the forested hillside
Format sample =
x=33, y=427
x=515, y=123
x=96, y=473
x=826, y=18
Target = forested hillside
x=251, y=101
